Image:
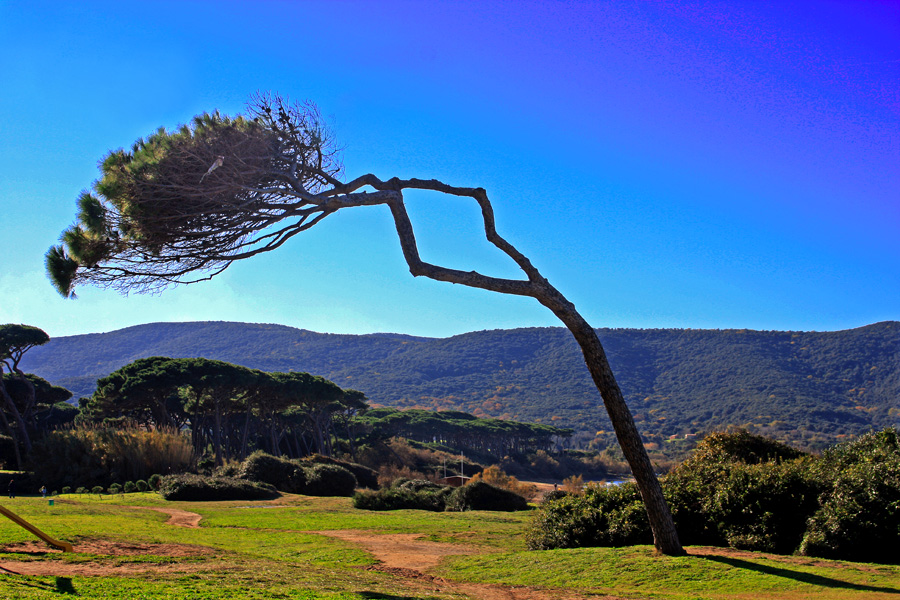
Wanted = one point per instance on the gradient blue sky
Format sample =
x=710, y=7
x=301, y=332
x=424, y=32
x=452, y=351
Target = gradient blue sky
x=726, y=164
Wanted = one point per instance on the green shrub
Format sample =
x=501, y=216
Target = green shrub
x=478, y=495
x=81, y=490
x=130, y=487
x=737, y=489
x=97, y=489
x=283, y=474
x=141, y=485
x=66, y=490
x=154, y=481
x=365, y=477
x=328, y=480
x=191, y=487
x=860, y=514
x=115, y=489
x=765, y=507
x=413, y=494
x=602, y=516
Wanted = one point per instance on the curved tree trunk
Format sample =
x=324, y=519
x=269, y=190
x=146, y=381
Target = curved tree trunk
x=665, y=536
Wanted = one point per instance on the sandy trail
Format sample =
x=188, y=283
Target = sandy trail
x=407, y=556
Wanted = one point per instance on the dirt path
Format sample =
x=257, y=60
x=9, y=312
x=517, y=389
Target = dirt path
x=407, y=556
x=179, y=518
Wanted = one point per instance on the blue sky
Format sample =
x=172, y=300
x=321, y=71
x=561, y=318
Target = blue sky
x=665, y=164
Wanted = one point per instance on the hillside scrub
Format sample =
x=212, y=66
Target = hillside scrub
x=421, y=494
x=746, y=492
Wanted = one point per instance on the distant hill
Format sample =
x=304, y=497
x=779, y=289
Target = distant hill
x=806, y=387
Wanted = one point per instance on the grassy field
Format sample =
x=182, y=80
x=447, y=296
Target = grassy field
x=321, y=548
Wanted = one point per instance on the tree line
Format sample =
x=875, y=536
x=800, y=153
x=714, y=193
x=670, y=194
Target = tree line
x=230, y=411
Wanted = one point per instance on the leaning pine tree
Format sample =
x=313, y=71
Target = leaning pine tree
x=193, y=201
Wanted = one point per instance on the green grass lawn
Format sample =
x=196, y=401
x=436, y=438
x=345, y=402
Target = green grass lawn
x=270, y=550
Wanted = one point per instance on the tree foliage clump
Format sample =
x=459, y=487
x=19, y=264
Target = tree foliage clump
x=196, y=199
x=742, y=491
x=231, y=408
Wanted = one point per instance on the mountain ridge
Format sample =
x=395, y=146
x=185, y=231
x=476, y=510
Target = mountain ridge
x=814, y=386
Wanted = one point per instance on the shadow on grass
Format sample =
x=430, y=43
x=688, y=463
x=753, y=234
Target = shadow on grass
x=800, y=576
x=64, y=586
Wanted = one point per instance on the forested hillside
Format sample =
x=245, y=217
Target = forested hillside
x=806, y=387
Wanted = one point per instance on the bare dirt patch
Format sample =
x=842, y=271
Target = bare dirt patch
x=107, y=552
x=406, y=556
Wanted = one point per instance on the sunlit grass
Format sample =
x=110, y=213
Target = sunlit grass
x=266, y=549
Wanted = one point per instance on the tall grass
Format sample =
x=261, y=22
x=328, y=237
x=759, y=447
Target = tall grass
x=89, y=454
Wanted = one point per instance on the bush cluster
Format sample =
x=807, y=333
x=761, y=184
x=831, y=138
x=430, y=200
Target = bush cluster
x=365, y=477
x=425, y=495
x=326, y=477
x=199, y=487
x=744, y=491
x=416, y=494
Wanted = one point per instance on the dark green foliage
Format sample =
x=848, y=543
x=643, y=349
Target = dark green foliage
x=860, y=514
x=319, y=478
x=81, y=490
x=115, y=488
x=129, y=487
x=189, y=487
x=97, y=489
x=602, y=516
x=744, y=491
x=141, y=485
x=417, y=494
x=155, y=481
x=281, y=473
x=66, y=490
x=433, y=499
x=479, y=495
x=736, y=491
x=365, y=477
x=328, y=480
